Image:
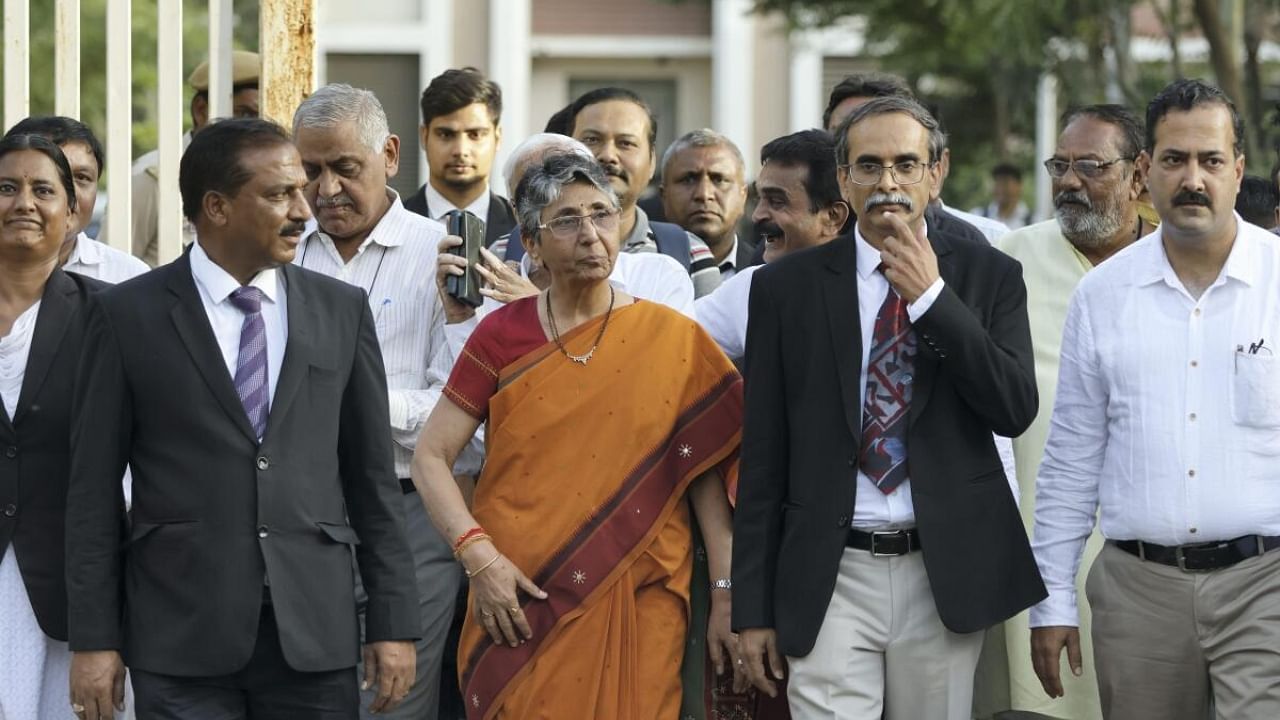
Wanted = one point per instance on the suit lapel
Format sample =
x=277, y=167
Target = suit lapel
x=299, y=346
x=840, y=291
x=56, y=308
x=926, y=370
x=192, y=324
x=500, y=218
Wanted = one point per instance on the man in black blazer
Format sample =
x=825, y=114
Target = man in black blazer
x=876, y=536
x=460, y=134
x=248, y=397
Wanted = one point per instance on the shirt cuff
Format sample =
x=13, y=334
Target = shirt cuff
x=917, y=309
x=399, y=407
x=1059, y=609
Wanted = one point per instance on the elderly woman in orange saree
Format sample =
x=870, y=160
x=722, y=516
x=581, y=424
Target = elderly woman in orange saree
x=609, y=421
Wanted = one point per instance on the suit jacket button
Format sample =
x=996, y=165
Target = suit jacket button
x=11, y=452
x=263, y=531
x=843, y=521
x=10, y=510
x=263, y=463
x=853, y=462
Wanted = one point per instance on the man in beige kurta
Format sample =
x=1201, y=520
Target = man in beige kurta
x=1096, y=188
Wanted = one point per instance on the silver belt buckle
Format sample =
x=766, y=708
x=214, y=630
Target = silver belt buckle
x=884, y=533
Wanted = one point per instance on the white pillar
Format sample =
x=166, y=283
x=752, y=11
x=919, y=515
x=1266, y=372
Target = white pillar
x=435, y=58
x=510, y=23
x=732, y=60
x=17, y=61
x=221, y=79
x=119, y=123
x=807, y=103
x=169, y=112
x=66, y=59
x=1046, y=140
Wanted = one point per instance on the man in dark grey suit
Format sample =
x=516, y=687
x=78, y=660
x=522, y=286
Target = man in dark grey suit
x=248, y=397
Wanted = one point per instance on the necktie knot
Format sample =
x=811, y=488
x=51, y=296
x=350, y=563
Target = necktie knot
x=247, y=300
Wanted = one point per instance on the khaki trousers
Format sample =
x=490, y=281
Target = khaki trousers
x=1167, y=642
x=882, y=650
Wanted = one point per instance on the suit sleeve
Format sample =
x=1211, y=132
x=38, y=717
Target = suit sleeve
x=757, y=521
x=100, y=441
x=991, y=367
x=373, y=494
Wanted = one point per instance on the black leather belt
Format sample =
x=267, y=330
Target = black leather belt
x=882, y=543
x=1201, y=557
x=406, y=484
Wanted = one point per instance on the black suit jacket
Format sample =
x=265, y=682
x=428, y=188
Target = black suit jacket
x=36, y=441
x=502, y=217
x=973, y=376
x=214, y=511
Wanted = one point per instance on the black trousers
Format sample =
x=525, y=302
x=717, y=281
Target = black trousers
x=265, y=689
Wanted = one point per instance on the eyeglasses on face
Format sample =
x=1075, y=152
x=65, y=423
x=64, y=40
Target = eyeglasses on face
x=1085, y=168
x=907, y=172
x=567, y=227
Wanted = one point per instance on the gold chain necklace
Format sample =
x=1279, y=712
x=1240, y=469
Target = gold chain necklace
x=555, y=334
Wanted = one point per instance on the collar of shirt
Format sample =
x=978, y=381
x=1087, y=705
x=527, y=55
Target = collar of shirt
x=439, y=206
x=730, y=261
x=640, y=233
x=219, y=284
x=389, y=232
x=85, y=252
x=868, y=258
x=1242, y=261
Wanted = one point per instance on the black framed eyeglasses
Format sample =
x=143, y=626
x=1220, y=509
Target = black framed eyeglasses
x=1085, y=168
x=566, y=227
x=907, y=172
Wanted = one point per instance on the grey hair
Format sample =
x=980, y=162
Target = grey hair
x=543, y=183
x=885, y=106
x=706, y=137
x=338, y=103
x=536, y=147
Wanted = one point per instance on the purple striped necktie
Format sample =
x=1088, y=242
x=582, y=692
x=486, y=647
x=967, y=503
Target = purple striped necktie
x=251, y=363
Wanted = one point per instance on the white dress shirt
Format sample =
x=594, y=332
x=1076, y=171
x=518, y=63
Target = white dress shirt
x=91, y=258
x=723, y=313
x=1163, y=417
x=395, y=266
x=215, y=286
x=439, y=206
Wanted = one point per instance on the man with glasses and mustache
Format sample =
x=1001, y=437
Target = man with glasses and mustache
x=875, y=536
x=1096, y=186
x=1165, y=430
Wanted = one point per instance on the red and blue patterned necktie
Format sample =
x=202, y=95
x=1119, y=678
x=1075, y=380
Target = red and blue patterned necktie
x=883, y=456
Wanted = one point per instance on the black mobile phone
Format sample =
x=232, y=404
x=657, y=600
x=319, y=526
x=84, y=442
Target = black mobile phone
x=465, y=288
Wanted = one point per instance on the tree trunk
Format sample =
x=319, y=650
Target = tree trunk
x=1253, y=30
x=1172, y=23
x=1222, y=54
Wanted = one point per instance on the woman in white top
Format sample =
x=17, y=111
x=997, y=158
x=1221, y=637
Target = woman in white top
x=42, y=312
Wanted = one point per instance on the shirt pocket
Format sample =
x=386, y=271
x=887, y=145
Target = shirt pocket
x=1255, y=390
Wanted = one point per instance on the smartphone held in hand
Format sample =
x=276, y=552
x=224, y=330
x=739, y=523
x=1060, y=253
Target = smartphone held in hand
x=465, y=288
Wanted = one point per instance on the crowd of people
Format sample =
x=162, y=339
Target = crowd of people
x=683, y=457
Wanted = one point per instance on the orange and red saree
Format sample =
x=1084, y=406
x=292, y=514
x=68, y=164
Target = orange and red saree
x=583, y=489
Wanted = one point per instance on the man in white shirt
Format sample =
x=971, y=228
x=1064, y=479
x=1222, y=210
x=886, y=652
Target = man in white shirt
x=704, y=191
x=1167, y=424
x=800, y=207
x=368, y=239
x=460, y=134
x=80, y=253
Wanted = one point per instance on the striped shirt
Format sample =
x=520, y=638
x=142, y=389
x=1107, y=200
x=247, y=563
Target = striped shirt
x=396, y=267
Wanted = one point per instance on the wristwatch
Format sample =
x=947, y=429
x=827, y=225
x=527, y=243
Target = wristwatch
x=722, y=584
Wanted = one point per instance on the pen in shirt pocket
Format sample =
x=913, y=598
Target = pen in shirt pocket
x=377, y=316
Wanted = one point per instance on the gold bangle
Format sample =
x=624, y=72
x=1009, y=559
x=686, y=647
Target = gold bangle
x=470, y=541
x=482, y=568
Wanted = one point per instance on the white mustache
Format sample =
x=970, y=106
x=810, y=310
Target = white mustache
x=880, y=198
x=339, y=201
